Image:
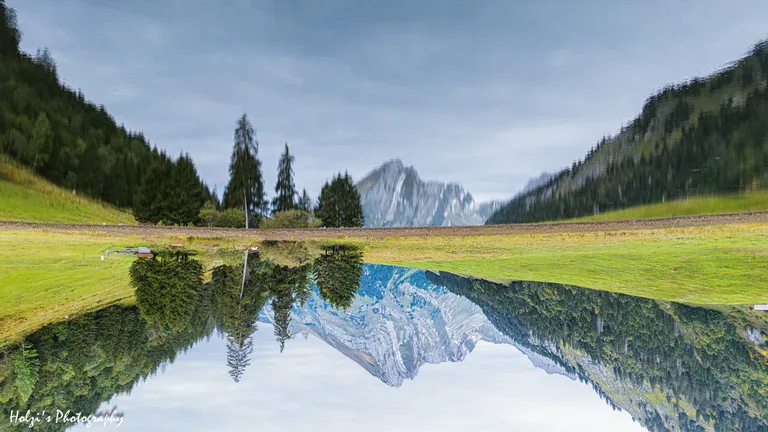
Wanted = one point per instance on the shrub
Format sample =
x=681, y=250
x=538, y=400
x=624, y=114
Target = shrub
x=229, y=218
x=209, y=217
x=291, y=219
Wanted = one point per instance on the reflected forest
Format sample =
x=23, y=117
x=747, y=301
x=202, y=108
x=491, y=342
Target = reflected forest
x=83, y=362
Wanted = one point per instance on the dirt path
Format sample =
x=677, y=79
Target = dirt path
x=323, y=233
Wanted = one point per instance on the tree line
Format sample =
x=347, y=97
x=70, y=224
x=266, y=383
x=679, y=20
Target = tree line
x=682, y=144
x=61, y=136
x=72, y=142
x=338, y=205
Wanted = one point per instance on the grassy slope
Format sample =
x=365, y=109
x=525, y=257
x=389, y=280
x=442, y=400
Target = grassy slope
x=26, y=197
x=745, y=202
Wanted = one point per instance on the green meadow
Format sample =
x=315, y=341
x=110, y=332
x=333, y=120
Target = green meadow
x=46, y=276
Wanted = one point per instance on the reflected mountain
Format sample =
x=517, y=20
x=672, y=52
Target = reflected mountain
x=398, y=322
x=671, y=366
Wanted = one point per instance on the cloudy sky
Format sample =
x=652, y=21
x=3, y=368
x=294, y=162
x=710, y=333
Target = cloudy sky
x=487, y=93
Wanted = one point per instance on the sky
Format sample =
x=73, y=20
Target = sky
x=313, y=387
x=485, y=93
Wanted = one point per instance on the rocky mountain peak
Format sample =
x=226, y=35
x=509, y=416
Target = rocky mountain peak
x=394, y=195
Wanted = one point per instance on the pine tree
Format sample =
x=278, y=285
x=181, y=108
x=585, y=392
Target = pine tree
x=285, y=189
x=339, y=203
x=245, y=189
x=239, y=352
x=9, y=32
x=186, y=193
x=305, y=202
x=281, y=305
x=44, y=58
x=149, y=203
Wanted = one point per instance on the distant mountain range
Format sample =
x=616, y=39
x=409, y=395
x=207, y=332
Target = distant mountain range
x=394, y=195
x=401, y=321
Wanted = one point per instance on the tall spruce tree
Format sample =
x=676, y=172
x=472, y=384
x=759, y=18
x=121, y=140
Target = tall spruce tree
x=186, y=193
x=150, y=204
x=339, y=203
x=245, y=189
x=171, y=192
x=285, y=189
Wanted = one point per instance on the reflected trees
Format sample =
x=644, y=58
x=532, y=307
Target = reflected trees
x=170, y=294
x=168, y=288
x=337, y=273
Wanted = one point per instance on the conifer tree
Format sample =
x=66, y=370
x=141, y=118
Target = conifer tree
x=9, y=32
x=44, y=58
x=284, y=188
x=305, y=202
x=186, y=193
x=171, y=192
x=150, y=203
x=245, y=189
x=339, y=204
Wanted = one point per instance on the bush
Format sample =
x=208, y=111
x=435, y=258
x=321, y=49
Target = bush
x=209, y=217
x=229, y=218
x=291, y=219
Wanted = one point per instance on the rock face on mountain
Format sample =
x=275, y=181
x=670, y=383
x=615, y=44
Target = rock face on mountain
x=394, y=195
x=400, y=321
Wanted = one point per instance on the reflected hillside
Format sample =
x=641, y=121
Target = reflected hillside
x=672, y=366
x=81, y=363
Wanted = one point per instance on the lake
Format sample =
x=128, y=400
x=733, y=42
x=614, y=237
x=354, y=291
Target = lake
x=342, y=345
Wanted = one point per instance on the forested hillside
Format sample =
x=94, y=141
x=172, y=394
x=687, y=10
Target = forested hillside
x=704, y=136
x=59, y=134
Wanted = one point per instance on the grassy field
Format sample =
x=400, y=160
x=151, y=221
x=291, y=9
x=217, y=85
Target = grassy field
x=704, y=265
x=27, y=197
x=45, y=278
x=714, y=204
x=47, y=275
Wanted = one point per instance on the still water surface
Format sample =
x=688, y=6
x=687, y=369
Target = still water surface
x=342, y=346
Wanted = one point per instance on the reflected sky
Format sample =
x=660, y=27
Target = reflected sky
x=311, y=386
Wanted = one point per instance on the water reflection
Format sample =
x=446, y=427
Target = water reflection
x=170, y=293
x=671, y=366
